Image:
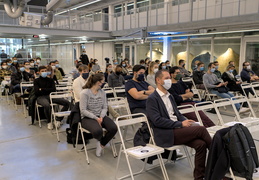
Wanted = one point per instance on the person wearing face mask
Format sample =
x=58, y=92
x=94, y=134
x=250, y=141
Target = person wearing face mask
x=96, y=67
x=171, y=128
x=84, y=58
x=59, y=68
x=183, y=71
x=233, y=64
x=233, y=83
x=182, y=96
x=168, y=67
x=108, y=71
x=57, y=73
x=3, y=55
x=43, y=86
x=153, y=68
x=217, y=72
x=195, y=65
x=138, y=90
x=93, y=107
x=80, y=81
x=10, y=67
x=115, y=79
x=162, y=65
x=212, y=83
x=15, y=63
x=4, y=72
x=125, y=70
x=247, y=74
x=198, y=74
x=17, y=78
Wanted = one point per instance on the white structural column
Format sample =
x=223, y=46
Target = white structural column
x=110, y=16
x=166, y=11
x=167, y=48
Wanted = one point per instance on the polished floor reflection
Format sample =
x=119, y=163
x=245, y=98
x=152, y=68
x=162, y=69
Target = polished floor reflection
x=28, y=152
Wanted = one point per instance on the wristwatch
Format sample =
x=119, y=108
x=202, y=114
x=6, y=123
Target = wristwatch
x=144, y=92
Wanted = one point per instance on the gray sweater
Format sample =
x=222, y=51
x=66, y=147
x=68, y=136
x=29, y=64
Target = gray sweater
x=209, y=80
x=91, y=105
x=115, y=80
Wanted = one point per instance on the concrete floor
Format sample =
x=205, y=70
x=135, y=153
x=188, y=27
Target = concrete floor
x=28, y=152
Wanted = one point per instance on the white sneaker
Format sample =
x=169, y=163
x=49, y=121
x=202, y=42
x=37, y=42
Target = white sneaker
x=99, y=149
x=244, y=110
x=50, y=126
x=58, y=124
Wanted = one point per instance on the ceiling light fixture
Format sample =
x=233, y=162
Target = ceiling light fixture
x=78, y=6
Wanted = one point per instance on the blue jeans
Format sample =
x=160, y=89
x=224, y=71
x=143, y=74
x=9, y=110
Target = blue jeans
x=225, y=95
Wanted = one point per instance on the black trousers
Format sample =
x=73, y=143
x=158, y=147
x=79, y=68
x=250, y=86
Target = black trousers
x=96, y=130
x=45, y=102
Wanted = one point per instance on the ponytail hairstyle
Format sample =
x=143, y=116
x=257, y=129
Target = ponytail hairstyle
x=93, y=79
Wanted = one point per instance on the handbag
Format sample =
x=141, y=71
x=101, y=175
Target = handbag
x=221, y=89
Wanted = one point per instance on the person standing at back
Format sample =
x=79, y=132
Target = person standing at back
x=3, y=56
x=84, y=58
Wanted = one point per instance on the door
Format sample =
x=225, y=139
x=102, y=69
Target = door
x=129, y=51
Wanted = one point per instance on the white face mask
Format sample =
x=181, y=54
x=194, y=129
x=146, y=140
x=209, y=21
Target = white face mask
x=38, y=61
x=53, y=67
x=248, y=67
x=167, y=84
x=32, y=64
x=4, y=67
x=155, y=70
x=27, y=66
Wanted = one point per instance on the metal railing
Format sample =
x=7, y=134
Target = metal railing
x=173, y=12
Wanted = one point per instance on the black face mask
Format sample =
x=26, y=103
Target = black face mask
x=85, y=75
x=141, y=77
x=118, y=73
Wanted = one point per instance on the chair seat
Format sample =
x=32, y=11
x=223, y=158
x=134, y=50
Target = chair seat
x=62, y=113
x=250, y=121
x=141, y=152
x=214, y=129
x=173, y=147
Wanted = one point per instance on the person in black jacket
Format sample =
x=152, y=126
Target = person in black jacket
x=84, y=58
x=197, y=76
x=43, y=86
x=17, y=78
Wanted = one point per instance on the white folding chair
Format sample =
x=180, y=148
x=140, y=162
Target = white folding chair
x=8, y=80
x=204, y=106
x=63, y=88
x=251, y=122
x=194, y=88
x=253, y=99
x=138, y=152
x=108, y=91
x=24, y=85
x=37, y=106
x=54, y=113
x=118, y=90
x=82, y=130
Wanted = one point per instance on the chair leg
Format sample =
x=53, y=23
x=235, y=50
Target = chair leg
x=38, y=114
x=188, y=156
x=77, y=133
x=113, y=149
x=118, y=162
x=162, y=165
x=86, y=154
x=53, y=118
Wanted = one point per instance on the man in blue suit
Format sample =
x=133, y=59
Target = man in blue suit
x=172, y=128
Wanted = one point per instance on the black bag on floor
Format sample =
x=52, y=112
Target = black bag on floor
x=242, y=151
x=71, y=137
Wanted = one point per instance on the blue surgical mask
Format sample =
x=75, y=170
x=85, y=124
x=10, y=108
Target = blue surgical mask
x=201, y=68
x=163, y=67
x=141, y=77
x=212, y=70
x=44, y=74
x=85, y=75
x=22, y=69
x=231, y=70
x=217, y=67
x=48, y=73
x=57, y=66
x=124, y=65
x=115, y=63
x=9, y=64
x=15, y=61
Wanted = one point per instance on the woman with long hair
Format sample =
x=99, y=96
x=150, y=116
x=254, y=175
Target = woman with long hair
x=153, y=68
x=93, y=107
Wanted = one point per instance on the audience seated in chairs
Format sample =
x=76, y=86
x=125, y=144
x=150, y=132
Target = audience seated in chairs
x=3, y=73
x=215, y=86
x=151, y=74
x=162, y=65
x=43, y=86
x=125, y=70
x=168, y=66
x=184, y=72
x=182, y=95
x=21, y=76
x=198, y=75
x=95, y=67
x=247, y=74
x=233, y=64
x=108, y=71
x=138, y=90
x=115, y=79
x=80, y=81
x=93, y=108
x=15, y=63
x=172, y=128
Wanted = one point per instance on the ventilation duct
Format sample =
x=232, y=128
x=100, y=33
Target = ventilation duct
x=47, y=19
x=12, y=10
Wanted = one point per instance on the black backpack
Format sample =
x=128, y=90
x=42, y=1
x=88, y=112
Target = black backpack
x=71, y=137
x=242, y=151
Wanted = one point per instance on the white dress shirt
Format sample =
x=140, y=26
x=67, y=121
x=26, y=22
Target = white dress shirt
x=168, y=104
x=78, y=84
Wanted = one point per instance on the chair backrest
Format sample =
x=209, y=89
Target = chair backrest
x=203, y=106
x=241, y=99
x=246, y=86
x=221, y=103
x=25, y=85
x=108, y=90
x=188, y=108
x=254, y=86
x=129, y=120
x=118, y=90
x=63, y=94
x=189, y=79
x=120, y=105
x=106, y=85
x=63, y=88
